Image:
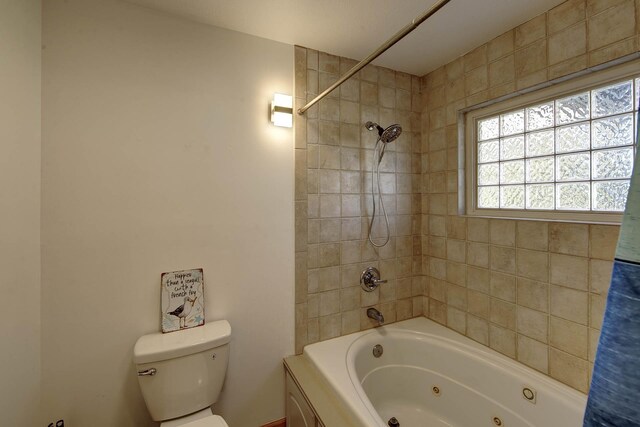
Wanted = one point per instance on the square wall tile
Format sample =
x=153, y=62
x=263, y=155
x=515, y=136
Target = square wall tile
x=478, y=279
x=502, y=71
x=569, y=369
x=502, y=232
x=457, y=319
x=330, y=326
x=475, y=58
x=534, y=324
x=456, y=250
x=533, y=294
x=531, y=31
x=568, y=336
x=478, y=254
x=569, y=304
x=501, y=46
x=478, y=329
x=503, y=313
x=568, y=43
x=502, y=340
x=533, y=353
x=478, y=304
x=570, y=239
x=570, y=271
x=478, y=229
x=566, y=14
x=503, y=286
x=503, y=259
x=456, y=296
x=531, y=59
x=533, y=264
x=437, y=311
x=533, y=235
x=604, y=239
x=613, y=24
x=600, y=276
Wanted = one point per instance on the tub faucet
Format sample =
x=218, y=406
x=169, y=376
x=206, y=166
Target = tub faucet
x=375, y=315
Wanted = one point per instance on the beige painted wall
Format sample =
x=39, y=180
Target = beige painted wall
x=20, y=211
x=158, y=156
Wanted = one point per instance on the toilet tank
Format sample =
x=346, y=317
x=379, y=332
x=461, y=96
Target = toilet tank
x=190, y=367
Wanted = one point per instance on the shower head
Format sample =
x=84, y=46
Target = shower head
x=387, y=135
x=391, y=133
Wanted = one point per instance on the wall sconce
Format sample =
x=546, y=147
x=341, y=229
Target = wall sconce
x=282, y=110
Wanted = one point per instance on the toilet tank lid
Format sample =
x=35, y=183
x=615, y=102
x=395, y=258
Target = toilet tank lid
x=158, y=346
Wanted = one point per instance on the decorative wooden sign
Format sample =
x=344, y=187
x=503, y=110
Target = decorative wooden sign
x=182, y=299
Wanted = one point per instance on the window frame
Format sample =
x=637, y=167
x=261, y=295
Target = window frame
x=467, y=138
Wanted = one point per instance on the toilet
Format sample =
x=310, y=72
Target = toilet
x=181, y=374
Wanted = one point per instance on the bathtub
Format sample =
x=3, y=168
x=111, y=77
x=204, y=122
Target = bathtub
x=429, y=375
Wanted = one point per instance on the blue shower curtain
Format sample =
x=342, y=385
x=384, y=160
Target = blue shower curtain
x=614, y=398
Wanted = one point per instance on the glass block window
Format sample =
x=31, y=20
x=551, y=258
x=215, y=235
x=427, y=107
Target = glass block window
x=571, y=153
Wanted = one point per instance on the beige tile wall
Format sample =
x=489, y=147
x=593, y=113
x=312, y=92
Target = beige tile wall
x=534, y=291
x=333, y=197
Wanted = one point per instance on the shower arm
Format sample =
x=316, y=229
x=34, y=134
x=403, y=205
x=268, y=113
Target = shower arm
x=383, y=48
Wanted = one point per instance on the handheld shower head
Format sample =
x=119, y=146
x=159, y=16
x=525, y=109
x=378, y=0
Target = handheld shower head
x=387, y=135
x=391, y=133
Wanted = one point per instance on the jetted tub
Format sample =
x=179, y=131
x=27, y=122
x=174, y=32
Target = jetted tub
x=429, y=375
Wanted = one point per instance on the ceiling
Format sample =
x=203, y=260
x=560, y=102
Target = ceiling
x=355, y=28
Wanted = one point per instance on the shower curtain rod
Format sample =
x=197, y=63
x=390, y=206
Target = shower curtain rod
x=393, y=40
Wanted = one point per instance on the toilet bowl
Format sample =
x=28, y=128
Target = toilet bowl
x=181, y=374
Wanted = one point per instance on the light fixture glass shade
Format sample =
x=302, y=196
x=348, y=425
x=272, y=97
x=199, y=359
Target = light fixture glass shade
x=282, y=110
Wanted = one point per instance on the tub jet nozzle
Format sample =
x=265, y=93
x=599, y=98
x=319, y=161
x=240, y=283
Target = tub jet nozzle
x=393, y=422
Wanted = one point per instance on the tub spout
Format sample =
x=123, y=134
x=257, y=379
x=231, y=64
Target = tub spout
x=375, y=315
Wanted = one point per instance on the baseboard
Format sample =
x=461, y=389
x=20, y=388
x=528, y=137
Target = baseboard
x=277, y=423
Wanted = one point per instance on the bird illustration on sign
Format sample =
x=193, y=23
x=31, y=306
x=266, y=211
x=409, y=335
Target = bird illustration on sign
x=182, y=299
x=183, y=310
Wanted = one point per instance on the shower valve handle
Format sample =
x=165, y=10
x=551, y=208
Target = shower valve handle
x=370, y=279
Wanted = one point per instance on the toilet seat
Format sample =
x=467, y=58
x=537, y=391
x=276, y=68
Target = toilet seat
x=213, y=421
x=203, y=418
